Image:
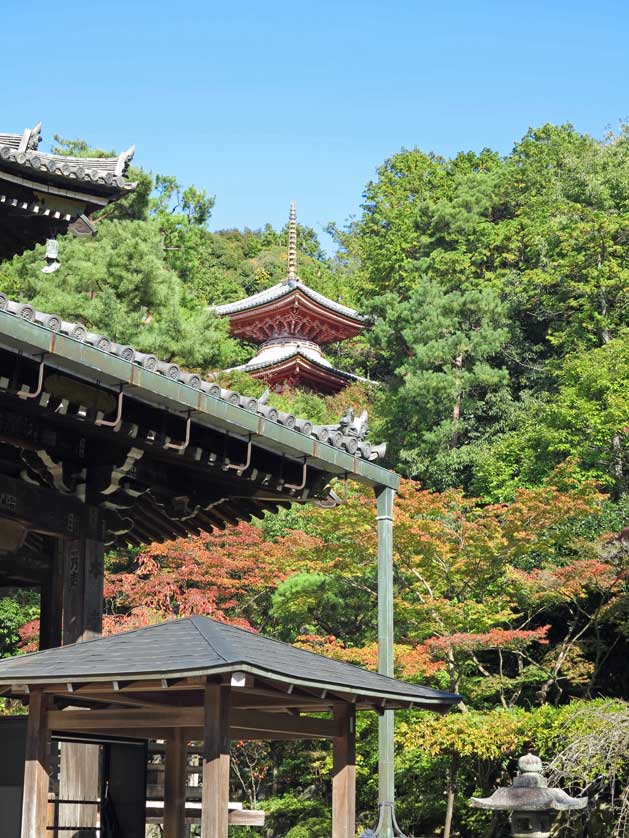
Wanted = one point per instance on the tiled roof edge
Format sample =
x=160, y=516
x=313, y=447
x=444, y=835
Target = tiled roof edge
x=21, y=150
x=349, y=434
x=350, y=376
x=275, y=292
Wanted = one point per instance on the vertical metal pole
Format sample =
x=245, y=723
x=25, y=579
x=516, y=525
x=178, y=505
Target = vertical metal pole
x=386, y=777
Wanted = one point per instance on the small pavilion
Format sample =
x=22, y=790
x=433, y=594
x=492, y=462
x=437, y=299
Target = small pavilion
x=198, y=679
x=290, y=322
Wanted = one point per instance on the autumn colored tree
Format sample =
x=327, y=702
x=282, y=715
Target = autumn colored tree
x=222, y=575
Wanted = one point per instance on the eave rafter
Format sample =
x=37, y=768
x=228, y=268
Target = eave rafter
x=147, y=488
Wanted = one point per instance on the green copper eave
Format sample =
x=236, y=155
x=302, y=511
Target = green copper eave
x=95, y=366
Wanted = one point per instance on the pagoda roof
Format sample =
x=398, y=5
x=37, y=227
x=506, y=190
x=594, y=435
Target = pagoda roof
x=291, y=308
x=298, y=366
x=286, y=288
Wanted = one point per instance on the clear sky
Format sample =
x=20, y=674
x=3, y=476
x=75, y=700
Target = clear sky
x=263, y=102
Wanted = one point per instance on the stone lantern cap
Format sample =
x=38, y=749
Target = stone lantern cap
x=529, y=792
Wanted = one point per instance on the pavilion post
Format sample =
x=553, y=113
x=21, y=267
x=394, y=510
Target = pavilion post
x=344, y=773
x=36, y=779
x=386, y=777
x=216, y=742
x=175, y=785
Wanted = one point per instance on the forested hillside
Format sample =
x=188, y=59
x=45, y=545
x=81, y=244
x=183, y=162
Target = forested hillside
x=498, y=288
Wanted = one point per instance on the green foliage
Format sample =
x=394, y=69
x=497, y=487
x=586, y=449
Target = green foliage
x=15, y=610
x=447, y=382
x=586, y=420
x=498, y=290
x=544, y=230
x=118, y=284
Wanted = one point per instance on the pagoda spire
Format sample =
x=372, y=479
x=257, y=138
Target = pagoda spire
x=292, y=244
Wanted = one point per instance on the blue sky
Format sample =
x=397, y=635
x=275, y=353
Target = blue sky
x=261, y=103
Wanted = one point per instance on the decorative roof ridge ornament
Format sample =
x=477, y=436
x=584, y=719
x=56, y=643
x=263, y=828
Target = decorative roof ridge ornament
x=31, y=138
x=292, y=277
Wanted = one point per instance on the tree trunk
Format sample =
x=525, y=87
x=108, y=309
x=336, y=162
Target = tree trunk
x=451, y=794
x=618, y=470
x=456, y=410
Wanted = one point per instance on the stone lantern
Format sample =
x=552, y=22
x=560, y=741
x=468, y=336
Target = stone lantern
x=532, y=804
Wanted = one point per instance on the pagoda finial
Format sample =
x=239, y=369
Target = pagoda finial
x=292, y=243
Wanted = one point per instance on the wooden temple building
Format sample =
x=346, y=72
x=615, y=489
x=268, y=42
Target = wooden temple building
x=291, y=323
x=103, y=446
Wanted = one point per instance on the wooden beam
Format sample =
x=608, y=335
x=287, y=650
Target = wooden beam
x=344, y=774
x=103, y=720
x=36, y=780
x=124, y=687
x=46, y=511
x=303, y=727
x=215, y=795
x=175, y=785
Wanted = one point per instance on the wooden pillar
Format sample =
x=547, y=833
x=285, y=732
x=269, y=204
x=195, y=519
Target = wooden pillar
x=83, y=589
x=83, y=569
x=35, y=799
x=215, y=799
x=175, y=785
x=51, y=606
x=344, y=773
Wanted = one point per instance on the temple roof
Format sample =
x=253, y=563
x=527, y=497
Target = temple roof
x=283, y=289
x=202, y=646
x=291, y=308
x=43, y=195
x=163, y=453
x=19, y=152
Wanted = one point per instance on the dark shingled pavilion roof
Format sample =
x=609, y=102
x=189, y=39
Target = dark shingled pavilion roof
x=201, y=646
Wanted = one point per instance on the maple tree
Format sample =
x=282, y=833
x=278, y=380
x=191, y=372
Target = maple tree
x=219, y=574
